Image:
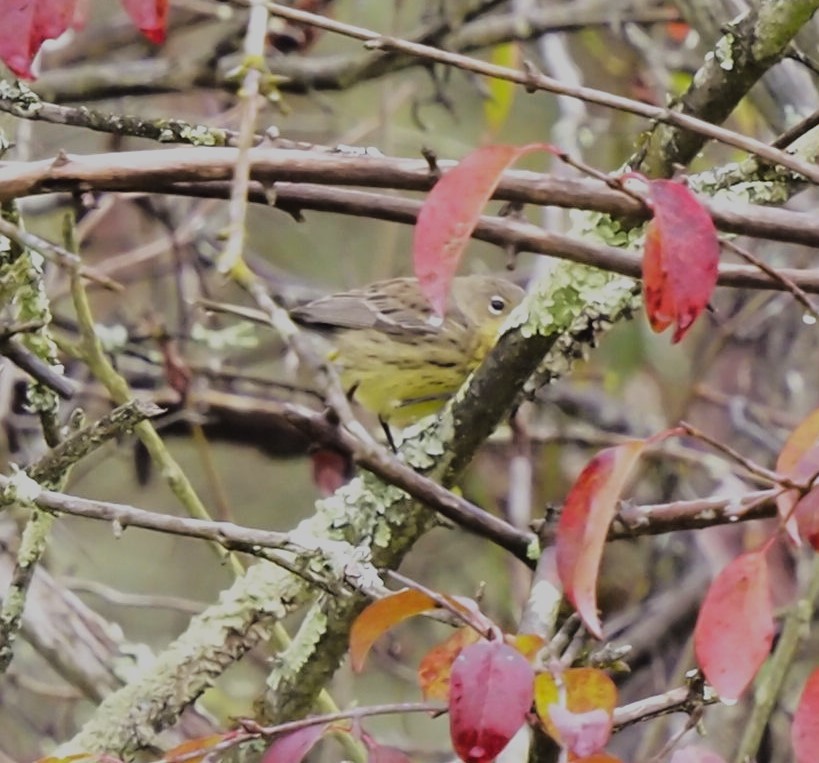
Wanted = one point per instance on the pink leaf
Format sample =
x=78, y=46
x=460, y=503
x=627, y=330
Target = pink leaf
x=451, y=211
x=490, y=695
x=582, y=734
x=291, y=748
x=26, y=24
x=681, y=257
x=735, y=625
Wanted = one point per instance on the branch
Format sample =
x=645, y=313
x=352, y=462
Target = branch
x=772, y=678
x=174, y=170
x=52, y=469
x=75, y=641
x=534, y=81
x=102, y=369
x=304, y=74
x=746, y=51
x=152, y=171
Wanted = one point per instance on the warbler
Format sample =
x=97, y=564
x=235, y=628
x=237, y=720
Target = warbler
x=394, y=355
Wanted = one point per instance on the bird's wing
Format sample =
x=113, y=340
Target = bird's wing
x=339, y=311
x=366, y=310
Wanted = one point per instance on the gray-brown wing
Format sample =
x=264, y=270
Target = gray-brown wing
x=374, y=308
x=339, y=311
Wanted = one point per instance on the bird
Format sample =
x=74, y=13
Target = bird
x=394, y=355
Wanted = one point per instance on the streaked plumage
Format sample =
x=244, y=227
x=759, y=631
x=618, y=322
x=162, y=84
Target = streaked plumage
x=399, y=358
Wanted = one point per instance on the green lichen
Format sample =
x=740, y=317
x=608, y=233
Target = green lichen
x=302, y=649
x=196, y=135
x=22, y=288
x=22, y=101
x=352, y=512
x=724, y=52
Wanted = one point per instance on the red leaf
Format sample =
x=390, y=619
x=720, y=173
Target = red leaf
x=26, y=24
x=451, y=211
x=331, y=470
x=382, y=615
x=584, y=525
x=696, y=754
x=735, y=625
x=805, y=729
x=292, y=747
x=150, y=16
x=491, y=693
x=681, y=257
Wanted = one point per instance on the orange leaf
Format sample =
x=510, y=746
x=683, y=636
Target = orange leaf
x=805, y=729
x=677, y=31
x=800, y=441
x=735, y=626
x=528, y=644
x=681, y=257
x=584, y=524
x=203, y=745
x=450, y=213
x=581, y=719
x=586, y=689
x=436, y=665
x=382, y=615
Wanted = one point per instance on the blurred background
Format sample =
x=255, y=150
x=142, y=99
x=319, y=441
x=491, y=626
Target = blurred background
x=745, y=373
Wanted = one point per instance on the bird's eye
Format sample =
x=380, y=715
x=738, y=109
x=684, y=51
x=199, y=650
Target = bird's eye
x=497, y=305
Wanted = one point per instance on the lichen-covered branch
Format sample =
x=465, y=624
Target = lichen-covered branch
x=117, y=387
x=744, y=53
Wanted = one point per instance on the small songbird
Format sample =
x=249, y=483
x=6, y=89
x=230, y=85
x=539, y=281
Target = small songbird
x=399, y=359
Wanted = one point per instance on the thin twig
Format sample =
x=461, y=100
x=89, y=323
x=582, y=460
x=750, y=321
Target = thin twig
x=798, y=293
x=753, y=468
x=533, y=81
x=61, y=256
